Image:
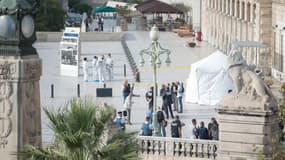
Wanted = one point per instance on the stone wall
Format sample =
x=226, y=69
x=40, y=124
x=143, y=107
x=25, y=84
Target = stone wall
x=225, y=21
x=85, y=37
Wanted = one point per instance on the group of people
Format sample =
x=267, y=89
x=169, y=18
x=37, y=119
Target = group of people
x=170, y=94
x=88, y=24
x=100, y=68
x=202, y=132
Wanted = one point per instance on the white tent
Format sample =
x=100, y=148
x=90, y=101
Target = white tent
x=208, y=81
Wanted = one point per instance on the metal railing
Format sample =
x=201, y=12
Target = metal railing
x=178, y=147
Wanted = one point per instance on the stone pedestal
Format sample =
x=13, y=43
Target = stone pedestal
x=244, y=128
x=20, y=112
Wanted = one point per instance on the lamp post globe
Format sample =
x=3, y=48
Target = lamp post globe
x=8, y=26
x=28, y=26
x=154, y=33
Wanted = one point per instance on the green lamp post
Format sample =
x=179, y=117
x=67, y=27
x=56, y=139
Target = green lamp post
x=154, y=51
x=17, y=23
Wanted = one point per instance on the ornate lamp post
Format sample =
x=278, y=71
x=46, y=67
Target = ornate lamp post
x=154, y=51
x=20, y=71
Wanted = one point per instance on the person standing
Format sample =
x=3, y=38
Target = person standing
x=194, y=130
x=128, y=105
x=100, y=22
x=120, y=122
x=101, y=68
x=161, y=121
x=88, y=23
x=149, y=98
x=203, y=131
x=126, y=89
x=95, y=68
x=213, y=128
x=109, y=67
x=174, y=96
x=167, y=103
x=180, y=92
x=147, y=127
x=85, y=69
x=162, y=92
x=176, y=127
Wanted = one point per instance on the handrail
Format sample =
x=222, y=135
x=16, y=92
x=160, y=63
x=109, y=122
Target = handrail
x=178, y=147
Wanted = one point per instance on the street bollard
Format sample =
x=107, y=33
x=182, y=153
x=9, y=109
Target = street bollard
x=125, y=71
x=52, y=91
x=137, y=76
x=78, y=90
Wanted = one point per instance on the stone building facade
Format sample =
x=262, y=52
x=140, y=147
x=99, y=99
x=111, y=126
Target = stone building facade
x=278, y=39
x=225, y=21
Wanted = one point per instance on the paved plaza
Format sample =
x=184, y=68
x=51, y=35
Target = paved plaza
x=66, y=87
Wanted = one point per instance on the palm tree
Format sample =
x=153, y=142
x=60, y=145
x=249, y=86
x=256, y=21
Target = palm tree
x=80, y=130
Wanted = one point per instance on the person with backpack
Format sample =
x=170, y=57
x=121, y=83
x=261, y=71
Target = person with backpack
x=147, y=127
x=194, y=130
x=161, y=121
x=176, y=128
x=203, y=131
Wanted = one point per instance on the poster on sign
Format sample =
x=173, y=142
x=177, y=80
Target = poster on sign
x=70, y=49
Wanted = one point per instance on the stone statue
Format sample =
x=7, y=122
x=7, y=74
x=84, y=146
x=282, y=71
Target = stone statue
x=249, y=87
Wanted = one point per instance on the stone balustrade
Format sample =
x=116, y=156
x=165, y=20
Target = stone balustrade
x=178, y=147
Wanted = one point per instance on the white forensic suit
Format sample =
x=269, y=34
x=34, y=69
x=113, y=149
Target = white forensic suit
x=95, y=69
x=101, y=69
x=109, y=68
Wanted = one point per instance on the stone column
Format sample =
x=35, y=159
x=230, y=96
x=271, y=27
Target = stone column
x=240, y=9
x=227, y=6
x=231, y=7
x=20, y=113
x=245, y=11
x=236, y=8
x=251, y=12
x=223, y=10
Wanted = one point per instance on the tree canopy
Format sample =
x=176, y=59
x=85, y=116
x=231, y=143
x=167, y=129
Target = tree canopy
x=50, y=15
x=80, y=134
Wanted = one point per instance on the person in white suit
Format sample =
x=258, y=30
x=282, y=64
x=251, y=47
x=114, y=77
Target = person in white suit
x=109, y=67
x=85, y=69
x=95, y=69
x=101, y=68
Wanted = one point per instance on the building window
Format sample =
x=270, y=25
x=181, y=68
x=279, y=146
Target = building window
x=278, y=49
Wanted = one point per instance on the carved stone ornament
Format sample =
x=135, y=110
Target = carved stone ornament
x=7, y=70
x=250, y=90
x=6, y=106
x=32, y=70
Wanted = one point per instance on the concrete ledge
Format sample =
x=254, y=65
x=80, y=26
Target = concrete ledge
x=85, y=36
